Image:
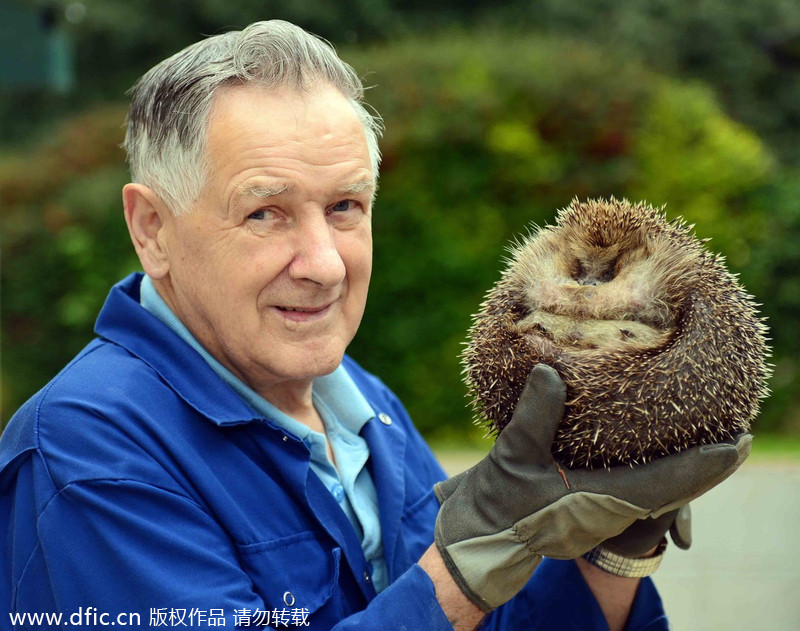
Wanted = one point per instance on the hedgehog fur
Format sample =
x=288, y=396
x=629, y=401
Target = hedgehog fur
x=660, y=347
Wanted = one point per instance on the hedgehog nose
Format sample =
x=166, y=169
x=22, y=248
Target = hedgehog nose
x=589, y=282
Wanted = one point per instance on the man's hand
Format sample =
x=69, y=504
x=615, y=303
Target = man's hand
x=518, y=504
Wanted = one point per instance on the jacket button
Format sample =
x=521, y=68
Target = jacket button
x=367, y=578
x=285, y=438
x=385, y=418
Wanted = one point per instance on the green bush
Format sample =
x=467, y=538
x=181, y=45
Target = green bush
x=64, y=241
x=484, y=136
x=748, y=51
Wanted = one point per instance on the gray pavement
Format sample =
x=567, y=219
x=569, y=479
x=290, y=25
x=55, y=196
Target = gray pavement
x=743, y=570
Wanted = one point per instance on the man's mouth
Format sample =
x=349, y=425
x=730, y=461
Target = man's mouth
x=304, y=314
x=304, y=309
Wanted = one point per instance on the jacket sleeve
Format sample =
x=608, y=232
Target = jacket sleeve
x=557, y=597
x=409, y=603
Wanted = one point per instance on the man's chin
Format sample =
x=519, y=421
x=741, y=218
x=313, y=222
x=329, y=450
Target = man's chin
x=319, y=366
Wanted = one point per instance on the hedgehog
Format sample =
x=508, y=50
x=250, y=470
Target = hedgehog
x=659, y=345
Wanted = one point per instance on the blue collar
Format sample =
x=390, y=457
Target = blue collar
x=125, y=323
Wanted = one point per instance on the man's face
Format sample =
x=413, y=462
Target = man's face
x=271, y=267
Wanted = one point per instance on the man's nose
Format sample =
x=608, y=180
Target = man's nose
x=317, y=256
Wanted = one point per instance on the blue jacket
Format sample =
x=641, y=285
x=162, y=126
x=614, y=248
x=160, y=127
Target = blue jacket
x=137, y=483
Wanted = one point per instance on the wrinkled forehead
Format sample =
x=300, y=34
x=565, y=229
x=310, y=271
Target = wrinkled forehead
x=283, y=114
x=274, y=143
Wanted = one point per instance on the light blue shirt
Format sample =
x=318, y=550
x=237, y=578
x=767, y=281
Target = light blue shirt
x=344, y=411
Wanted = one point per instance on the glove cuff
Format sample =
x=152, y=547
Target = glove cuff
x=623, y=566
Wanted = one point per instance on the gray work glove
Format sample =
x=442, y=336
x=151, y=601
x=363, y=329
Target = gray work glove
x=636, y=540
x=518, y=504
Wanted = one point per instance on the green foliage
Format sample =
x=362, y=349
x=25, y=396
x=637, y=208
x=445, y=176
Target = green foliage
x=63, y=241
x=773, y=273
x=485, y=134
x=748, y=51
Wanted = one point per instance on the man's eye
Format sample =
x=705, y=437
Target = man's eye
x=259, y=214
x=343, y=206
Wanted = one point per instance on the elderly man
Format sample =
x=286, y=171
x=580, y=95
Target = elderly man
x=214, y=458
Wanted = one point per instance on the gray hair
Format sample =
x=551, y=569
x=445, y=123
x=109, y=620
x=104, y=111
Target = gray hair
x=170, y=105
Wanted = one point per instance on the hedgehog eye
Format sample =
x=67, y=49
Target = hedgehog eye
x=577, y=270
x=607, y=276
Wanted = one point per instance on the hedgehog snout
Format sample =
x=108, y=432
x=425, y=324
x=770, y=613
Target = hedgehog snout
x=594, y=272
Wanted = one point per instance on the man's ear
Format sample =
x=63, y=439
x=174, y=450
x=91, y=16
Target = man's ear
x=145, y=214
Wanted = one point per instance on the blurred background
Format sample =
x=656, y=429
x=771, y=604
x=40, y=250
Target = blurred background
x=495, y=118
